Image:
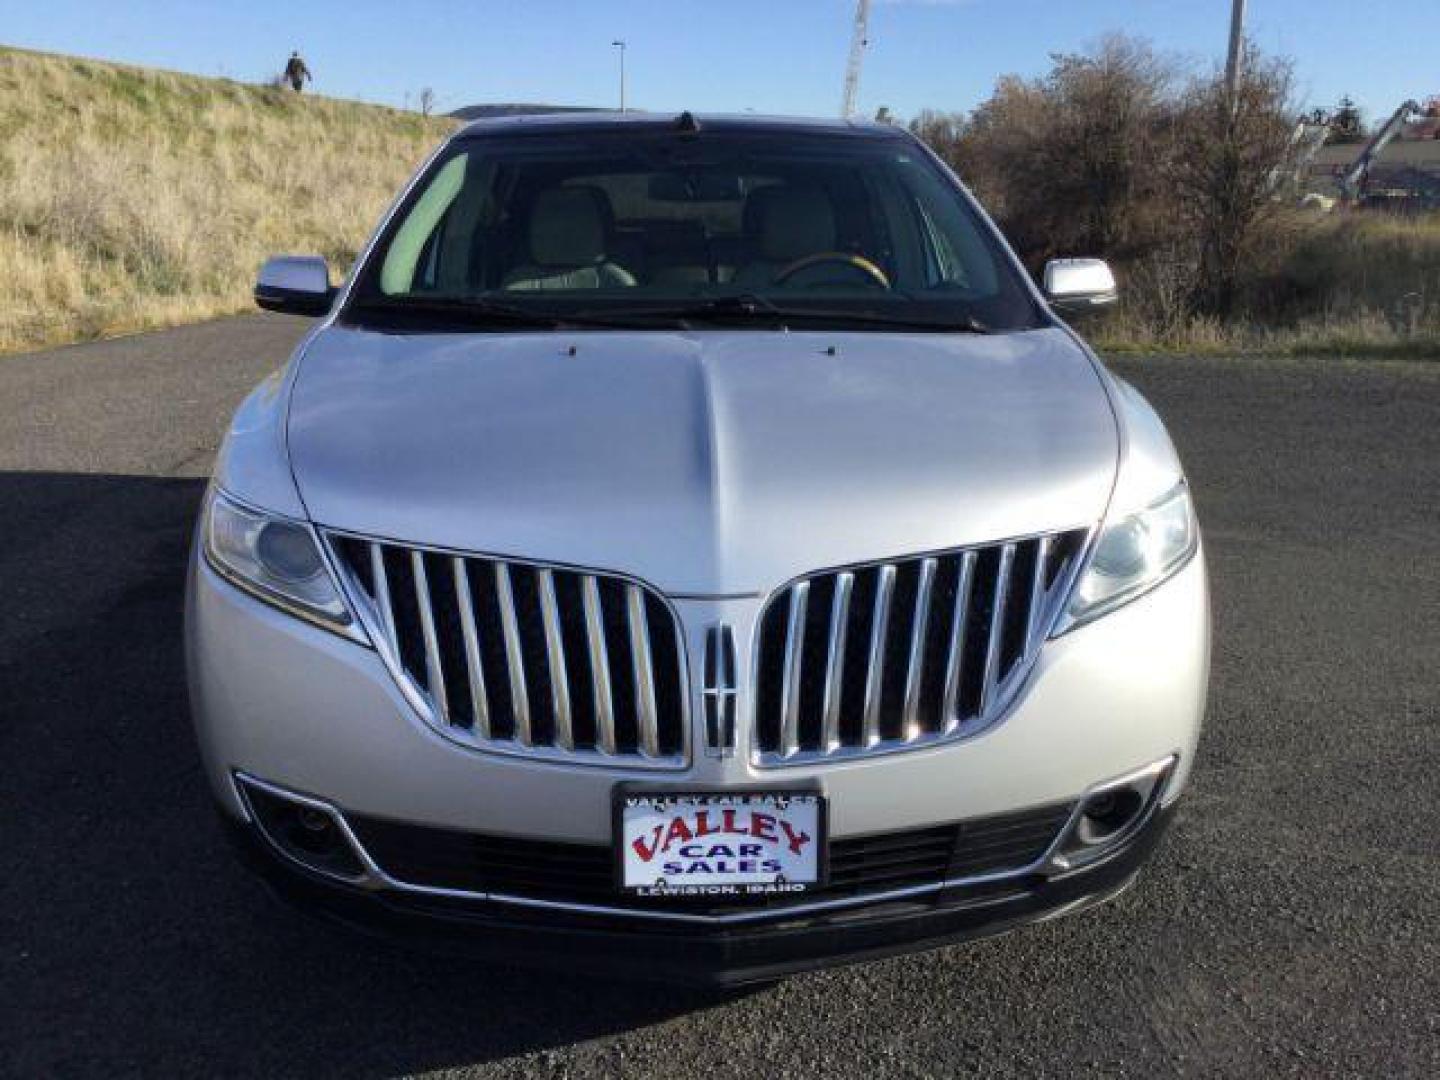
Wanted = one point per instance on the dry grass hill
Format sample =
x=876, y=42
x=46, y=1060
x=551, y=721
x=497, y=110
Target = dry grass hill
x=133, y=198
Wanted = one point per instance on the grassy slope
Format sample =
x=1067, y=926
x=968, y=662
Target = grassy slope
x=132, y=198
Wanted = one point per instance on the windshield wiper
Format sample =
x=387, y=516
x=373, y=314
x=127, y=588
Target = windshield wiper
x=744, y=306
x=475, y=310
x=754, y=306
x=968, y=324
x=480, y=310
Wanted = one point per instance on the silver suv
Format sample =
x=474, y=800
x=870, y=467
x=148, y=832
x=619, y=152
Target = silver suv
x=692, y=545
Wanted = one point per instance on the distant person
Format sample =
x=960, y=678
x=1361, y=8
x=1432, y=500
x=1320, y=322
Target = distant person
x=296, y=73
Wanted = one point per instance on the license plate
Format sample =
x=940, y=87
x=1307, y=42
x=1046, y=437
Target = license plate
x=732, y=844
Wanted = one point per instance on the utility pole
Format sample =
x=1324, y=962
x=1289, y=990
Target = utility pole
x=620, y=44
x=1237, y=48
x=857, y=55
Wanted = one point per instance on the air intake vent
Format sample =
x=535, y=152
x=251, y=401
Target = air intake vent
x=902, y=654
x=527, y=659
x=584, y=874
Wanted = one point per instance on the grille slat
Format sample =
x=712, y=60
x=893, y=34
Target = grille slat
x=470, y=634
x=914, y=650
x=879, y=631
x=959, y=627
x=381, y=594
x=434, y=666
x=643, y=659
x=599, y=665
x=794, y=660
x=835, y=659
x=514, y=654
x=555, y=658
x=1037, y=593
x=997, y=627
x=915, y=665
x=527, y=659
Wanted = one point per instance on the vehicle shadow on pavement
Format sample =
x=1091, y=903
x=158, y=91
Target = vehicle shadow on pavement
x=132, y=940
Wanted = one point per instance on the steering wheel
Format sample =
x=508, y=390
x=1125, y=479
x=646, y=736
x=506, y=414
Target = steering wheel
x=857, y=262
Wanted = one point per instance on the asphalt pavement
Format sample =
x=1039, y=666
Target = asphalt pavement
x=1289, y=926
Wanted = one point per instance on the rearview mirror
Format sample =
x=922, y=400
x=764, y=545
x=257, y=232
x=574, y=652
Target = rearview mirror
x=696, y=186
x=1078, y=286
x=295, y=285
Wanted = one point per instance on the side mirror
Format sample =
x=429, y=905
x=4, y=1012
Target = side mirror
x=1079, y=286
x=295, y=285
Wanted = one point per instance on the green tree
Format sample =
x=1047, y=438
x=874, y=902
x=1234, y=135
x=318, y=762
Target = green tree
x=1347, y=123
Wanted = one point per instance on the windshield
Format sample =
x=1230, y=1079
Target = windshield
x=624, y=228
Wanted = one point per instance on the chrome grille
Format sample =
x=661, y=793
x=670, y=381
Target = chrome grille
x=902, y=654
x=527, y=659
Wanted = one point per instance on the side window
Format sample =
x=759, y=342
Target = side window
x=909, y=255
x=419, y=235
x=954, y=246
x=948, y=269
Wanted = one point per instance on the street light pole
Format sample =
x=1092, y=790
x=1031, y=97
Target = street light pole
x=1237, y=46
x=620, y=44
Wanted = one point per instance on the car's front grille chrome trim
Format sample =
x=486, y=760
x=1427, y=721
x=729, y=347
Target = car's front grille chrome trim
x=544, y=661
x=639, y=624
x=902, y=654
x=959, y=627
x=474, y=668
x=434, y=666
x=835, y=658
x=720, y=691
x=599, y=665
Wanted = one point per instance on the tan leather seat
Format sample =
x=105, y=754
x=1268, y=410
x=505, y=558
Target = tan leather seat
x=567, y=236
x=782, y=224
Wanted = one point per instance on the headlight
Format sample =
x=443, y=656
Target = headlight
x=278, y=560
x=1134, y=553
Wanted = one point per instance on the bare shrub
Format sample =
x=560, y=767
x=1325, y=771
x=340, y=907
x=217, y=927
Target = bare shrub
x=1117, y=153
x=943, y=132
x=1070, y=162
x=1223, y=156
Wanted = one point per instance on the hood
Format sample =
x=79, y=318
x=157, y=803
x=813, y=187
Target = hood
x=707, y=463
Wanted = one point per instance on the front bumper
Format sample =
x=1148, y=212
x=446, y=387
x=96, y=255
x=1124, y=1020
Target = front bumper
x=312, y=713
x=719, y=956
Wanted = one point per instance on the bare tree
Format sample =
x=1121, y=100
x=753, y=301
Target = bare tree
x=943, y=132
x=1113, y=153
x=427, y=101
x=1225, y=154
x=1070, y=162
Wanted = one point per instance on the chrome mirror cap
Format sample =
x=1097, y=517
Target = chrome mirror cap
x=1078, y=285
x=295, y=285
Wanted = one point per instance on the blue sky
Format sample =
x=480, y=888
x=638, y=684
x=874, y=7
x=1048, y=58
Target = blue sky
x=721, y=55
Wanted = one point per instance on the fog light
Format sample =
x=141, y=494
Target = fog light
x=1110, y=815
x=307, y=833
x=1106, y=814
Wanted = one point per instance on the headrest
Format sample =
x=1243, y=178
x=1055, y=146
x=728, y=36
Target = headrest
x=568, y=226
x=789, y=222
